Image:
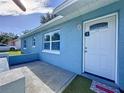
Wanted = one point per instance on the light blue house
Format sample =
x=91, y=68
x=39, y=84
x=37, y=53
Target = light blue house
x=86, y=37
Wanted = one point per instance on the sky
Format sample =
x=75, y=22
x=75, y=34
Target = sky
x=12, y=19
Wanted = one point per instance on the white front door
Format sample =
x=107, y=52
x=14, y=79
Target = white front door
x=100, y=47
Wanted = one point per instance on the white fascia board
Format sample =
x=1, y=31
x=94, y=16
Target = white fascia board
x=64, y=5
x=78, y=5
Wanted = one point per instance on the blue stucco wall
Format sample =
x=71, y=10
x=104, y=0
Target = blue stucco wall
x=121, y=46
x=30, y=49
x=21, y=59
x=70, y=47
x=71, y=56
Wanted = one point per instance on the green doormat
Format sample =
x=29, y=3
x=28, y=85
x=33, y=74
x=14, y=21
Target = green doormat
x=79, y=85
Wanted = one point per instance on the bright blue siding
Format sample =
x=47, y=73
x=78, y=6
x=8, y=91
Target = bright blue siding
x=71, y=56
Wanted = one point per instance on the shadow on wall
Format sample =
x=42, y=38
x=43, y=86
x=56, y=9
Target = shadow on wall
x=25, y=58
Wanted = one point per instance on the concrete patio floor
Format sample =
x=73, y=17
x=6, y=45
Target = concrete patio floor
x=55, y=78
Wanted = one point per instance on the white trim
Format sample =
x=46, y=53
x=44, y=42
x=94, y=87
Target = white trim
x=51, y=51
x=33, y=46
x=64, y=5
x=51, y=21
x=81, y=6
x=113, y=14
x=83, y=63
x=117, y=31
x=24, y=48
x=109, y=15
x=52, y=32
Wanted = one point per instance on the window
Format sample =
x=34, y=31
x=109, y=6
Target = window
x=99, y=26
x=56, y=41
x=47, y=42
x=33, y=41
x=25, y=45
x=52, y=42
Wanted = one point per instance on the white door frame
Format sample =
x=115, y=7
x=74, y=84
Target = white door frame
x=109, y=15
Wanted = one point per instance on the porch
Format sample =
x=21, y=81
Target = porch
x=55, y=79
x=38, y=76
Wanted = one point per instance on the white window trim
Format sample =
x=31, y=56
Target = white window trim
x=24, y=48
x=50, y=50
x=33, y=46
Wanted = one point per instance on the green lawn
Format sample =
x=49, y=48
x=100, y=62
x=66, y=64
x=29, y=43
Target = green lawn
x=13, y=53
x=79, y=85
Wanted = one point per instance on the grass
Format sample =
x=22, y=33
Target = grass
x=79, y=85
x=13, y=53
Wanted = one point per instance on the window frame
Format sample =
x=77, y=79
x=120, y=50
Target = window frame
x=51, y=41
x=33, y=42
x=25, y=44
x=101, y=25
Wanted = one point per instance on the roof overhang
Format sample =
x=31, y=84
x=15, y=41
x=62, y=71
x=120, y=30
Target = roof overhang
x=49, y=24
x=80, y=7
x=83, y=6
